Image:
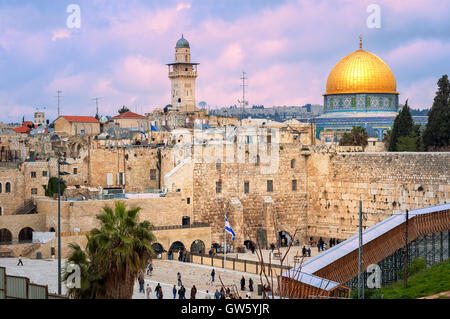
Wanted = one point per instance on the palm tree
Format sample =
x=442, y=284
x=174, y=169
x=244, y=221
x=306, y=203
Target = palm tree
x=115, y=254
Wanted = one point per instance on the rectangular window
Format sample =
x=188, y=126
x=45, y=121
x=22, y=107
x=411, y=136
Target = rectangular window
x=153, y=174
x=121, y=178
x=219, y=187
x=34, y=191
x=44, y=173
x=188, y=200
x=109, y=179
x=33, y=174
x=294, y=185
x=246, y=187
x=270, y=186
x=75, y=171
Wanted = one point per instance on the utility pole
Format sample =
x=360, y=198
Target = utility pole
x=360, y=257
x=243, y=102
x=405, y=275
x=96, y=105
x=59, y=100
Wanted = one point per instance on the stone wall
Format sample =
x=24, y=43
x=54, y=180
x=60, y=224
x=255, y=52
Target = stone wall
x=386, y=183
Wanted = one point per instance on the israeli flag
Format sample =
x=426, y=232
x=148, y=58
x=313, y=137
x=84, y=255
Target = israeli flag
x=143, y=134
x=228, y=227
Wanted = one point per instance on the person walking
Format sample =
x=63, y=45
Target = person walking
x=242, y=283
x=182, y=292
x=149, y=291
x=174, y=291
x=213, y=273
x=250, y=284
x=208, y=296
x=309, y=252
x=141, y=282
x=157, y=288
x=20, y=263
x=179, y=279
x=160, y=293
x=217, y=294
x=193, y=292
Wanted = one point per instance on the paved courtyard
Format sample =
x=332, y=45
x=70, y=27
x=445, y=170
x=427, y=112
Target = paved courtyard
x=165, y=273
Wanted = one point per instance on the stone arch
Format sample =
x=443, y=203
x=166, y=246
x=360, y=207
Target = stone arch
x=284, y=238
x=157, y=248
x=176, y=246
x=26, y=234
x=197, y=247
x=248, y=244
x=8, y=187
x=52, y=230
x=5, y=236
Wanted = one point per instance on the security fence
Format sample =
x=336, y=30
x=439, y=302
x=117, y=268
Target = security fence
x=16, y=287
x=434, y=248
x=249, y=266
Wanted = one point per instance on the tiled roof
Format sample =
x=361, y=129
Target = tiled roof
x=71, y=118
x=22, y=129
x=129, y=115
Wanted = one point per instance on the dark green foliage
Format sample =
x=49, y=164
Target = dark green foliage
x=357, y=137
x=124, y=109
x=437, y=132
x=403, y=124
x=52, y=187
x=412, y=142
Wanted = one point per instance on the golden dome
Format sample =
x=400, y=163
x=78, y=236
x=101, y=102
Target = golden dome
x=361, y=72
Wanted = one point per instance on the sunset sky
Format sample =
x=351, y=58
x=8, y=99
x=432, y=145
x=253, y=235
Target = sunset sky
x=286, y=47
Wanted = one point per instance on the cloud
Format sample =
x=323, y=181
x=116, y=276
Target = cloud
x=60, y=34
x=182, y=6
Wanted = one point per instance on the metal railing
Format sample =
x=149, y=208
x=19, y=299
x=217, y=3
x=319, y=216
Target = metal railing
x=196, y=225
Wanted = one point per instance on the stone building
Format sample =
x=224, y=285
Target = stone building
x=77, y=125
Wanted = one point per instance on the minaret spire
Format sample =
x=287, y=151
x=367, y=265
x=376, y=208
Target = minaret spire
x=360, y=42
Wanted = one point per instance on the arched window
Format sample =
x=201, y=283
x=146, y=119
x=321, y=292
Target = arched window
x=8, y=187
x=218, y=164
x=293, y=163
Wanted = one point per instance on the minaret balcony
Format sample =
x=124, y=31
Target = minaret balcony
x=174, y=74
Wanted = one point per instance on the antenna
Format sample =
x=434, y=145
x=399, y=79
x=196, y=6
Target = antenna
x=59, y=99
x=96, y=104
x=243, y=102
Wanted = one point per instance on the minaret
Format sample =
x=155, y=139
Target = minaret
x=182, y=75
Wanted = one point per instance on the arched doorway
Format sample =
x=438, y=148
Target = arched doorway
x=157, y=248
x=26, y=235
x=176, y=246
x=249, y=244
x=198, y=247
x=52, y=230
x=284, y=238
x=177, y=251
x=5, y=236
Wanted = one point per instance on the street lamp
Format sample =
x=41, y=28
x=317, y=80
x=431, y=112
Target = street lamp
x=59, y=217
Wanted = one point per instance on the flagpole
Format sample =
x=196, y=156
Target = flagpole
x=225, y=244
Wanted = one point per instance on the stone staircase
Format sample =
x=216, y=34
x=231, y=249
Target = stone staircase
x=26, y=252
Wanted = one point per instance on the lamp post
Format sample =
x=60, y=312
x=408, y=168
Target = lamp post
x=59, y=217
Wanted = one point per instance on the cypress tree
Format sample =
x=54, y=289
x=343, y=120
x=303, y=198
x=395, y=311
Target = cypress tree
x=403, y=124
x=437, y=131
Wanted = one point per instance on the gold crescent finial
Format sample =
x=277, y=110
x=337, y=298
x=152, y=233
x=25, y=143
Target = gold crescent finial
x=360, y=42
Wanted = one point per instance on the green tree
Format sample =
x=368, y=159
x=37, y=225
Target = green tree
x=403, y=125
x=52, y=187
x=114, y=255
x=357, y=137
x=412, y=142
x=124, y=109
x=437, y=131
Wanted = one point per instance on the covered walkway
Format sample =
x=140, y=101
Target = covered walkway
x=340, y=263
